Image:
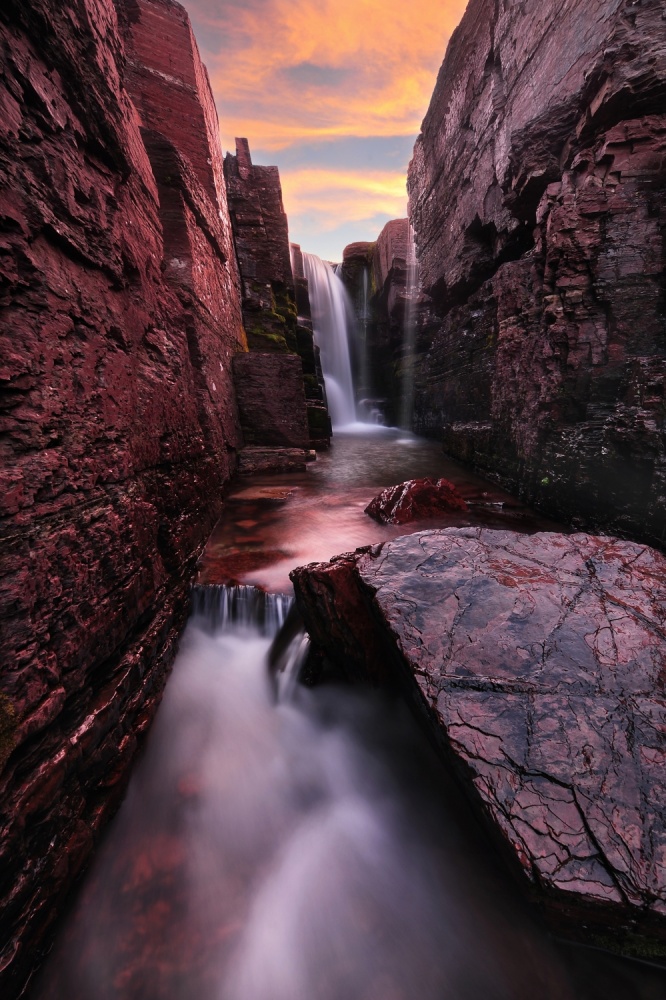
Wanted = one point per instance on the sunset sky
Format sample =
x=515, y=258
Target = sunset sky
x=333, y=92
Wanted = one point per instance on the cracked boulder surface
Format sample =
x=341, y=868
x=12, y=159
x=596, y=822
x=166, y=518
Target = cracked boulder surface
x=538, y=664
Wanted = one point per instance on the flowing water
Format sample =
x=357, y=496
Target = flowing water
x=281, y=843
x=331, y=319
x=289, y=850
x=409, y=336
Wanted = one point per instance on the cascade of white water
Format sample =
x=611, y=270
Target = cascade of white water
x=240, y=607
x=409, y=337
x=330, y=315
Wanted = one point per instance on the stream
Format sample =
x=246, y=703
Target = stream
x=305, y=844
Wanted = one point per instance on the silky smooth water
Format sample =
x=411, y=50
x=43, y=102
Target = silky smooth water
x=273, y=523
x=331, y=320
x=406, y=416
x=289, y=850
x=280, y=843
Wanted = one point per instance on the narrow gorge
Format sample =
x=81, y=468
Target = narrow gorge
x=333, y=596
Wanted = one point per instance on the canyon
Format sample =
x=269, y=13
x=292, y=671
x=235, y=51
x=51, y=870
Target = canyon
x=157, y=340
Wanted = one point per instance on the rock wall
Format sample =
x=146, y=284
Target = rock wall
x=538, y=198
x=120, y=313
x=269, y=292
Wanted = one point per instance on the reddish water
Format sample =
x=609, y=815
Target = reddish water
x=273, y=523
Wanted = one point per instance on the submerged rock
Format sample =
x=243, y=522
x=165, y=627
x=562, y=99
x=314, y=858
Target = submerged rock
x=538, y=663
x=414, y=500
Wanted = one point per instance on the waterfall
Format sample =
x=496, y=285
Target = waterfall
x=221, y=607
x=406, y=415
x=331, y=310
x=365, y=367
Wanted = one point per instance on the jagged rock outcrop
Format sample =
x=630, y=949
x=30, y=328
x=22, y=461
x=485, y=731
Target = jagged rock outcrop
x=538, y=199
x=121, y=312
x=537, y=665
x=269, y=299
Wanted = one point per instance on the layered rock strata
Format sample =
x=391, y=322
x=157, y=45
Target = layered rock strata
x=268, y=289
x=538, y=199
x=120, y=315
x=271, y=401
x=537, y=665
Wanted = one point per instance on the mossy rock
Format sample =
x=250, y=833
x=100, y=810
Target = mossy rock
x=261, y=340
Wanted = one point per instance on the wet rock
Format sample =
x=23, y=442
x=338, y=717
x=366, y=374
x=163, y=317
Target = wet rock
x=538, y=198
x=417, y=499
x=537, y=663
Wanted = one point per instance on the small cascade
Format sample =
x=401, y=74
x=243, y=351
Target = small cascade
x=406, y=415
x=221, y=607
x=291, y=665
x=331, y=311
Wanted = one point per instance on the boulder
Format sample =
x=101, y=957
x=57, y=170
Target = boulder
x=538, y=665
x=414, y=500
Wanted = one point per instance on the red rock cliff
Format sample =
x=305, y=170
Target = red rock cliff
x=120, y=315
x=538, y=198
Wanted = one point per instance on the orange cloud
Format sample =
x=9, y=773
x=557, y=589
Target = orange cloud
x=319, y=82
x=352, y=195
x=293, y=70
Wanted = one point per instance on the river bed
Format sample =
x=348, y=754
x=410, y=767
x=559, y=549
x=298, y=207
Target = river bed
x=309, y=848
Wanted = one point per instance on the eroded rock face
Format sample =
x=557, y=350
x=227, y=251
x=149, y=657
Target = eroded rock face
x=538, y=198
x=538, y=663
x=120, y=315
x=414, y=500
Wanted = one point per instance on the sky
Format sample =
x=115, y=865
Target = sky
x=331, y=91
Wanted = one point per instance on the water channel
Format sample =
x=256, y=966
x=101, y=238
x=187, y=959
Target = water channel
x=306, y=846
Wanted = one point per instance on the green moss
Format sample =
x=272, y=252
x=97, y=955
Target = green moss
x=262, y=340
x=8, y=724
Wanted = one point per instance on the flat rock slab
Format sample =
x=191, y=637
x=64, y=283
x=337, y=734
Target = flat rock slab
x=541, y=662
